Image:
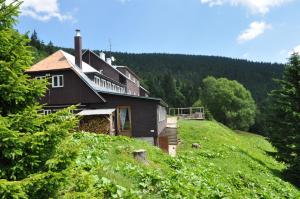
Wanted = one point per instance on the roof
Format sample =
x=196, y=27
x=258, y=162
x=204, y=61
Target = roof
x=163, y=103
x=130, y=70
x=113, y=67
x=97, y=112
x=56, y=61
x=144, y=89
x=105, y=62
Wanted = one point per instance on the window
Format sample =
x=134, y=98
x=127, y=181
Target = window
x=108, y=85
x=118, y=89
x=97, y=80
x=124, y=118
x=113, y=87
x=46, y=112
x=137, y=83
x=161, y=113
x=57, y=81
x=104, y=83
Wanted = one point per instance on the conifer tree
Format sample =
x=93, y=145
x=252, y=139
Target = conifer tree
x=284, y=118
x=29, y=165
x=17, y=89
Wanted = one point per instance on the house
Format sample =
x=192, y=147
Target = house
x=109, y=98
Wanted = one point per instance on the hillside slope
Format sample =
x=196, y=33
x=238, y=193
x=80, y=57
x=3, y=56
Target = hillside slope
x=228, y=164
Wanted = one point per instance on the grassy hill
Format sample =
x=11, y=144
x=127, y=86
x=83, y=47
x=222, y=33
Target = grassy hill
x=228, y=164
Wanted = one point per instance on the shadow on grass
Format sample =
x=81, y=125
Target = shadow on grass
x=275, y=172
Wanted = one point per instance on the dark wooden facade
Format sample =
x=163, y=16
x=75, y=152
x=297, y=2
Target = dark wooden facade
x=144, y=117
x=85, y=81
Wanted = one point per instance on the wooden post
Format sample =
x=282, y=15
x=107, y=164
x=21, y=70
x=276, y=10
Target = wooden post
x=140, y=155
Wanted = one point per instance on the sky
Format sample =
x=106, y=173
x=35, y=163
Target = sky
x=257, y=30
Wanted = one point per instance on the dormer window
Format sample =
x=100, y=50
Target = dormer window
x=109, y=85
x=57, y=81
x=97, y=80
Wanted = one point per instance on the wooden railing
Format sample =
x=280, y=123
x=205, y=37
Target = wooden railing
x=188, y=113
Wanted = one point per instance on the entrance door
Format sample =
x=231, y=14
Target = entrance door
x=124, y=120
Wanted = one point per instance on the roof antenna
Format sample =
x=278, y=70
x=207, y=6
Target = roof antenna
x=109, y=43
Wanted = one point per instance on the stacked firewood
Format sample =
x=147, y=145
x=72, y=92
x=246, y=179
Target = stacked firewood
x=95, y=124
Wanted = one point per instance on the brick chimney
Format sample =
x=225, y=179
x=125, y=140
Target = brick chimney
x=78, y=49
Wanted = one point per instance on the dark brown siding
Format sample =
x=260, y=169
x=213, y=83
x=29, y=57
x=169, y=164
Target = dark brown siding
x=99, y=64
x=143, y=113
x=143, y=92
x=75, y=91
x=134, y=89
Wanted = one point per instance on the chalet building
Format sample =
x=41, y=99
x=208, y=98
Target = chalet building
x=109, y=98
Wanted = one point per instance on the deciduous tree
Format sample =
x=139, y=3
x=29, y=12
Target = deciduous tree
x=229, y=102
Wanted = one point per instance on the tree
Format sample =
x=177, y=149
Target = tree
x=29, y=164
x=229, y=102
x=172, y=93
x=284, y=118
x=17, y=90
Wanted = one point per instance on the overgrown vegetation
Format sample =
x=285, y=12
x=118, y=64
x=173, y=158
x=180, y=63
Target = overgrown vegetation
x=228, y=165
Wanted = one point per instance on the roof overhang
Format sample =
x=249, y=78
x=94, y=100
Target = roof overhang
x=96, y=112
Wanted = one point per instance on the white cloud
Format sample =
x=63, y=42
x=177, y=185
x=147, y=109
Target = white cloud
x=255, y=6
x=297, y=49
x=255, y=29
x=43, y=10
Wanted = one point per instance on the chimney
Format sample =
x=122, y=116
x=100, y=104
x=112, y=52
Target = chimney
x=78, y=49
x=108, y=60
x=102, y=56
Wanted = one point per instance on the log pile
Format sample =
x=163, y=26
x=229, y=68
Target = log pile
x=95, y=124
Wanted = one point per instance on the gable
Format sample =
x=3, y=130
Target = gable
x=75, y=90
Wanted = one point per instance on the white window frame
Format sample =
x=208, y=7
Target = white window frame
x=97, y=80
x=59, y=82
x=46, y=111
x=109, y=85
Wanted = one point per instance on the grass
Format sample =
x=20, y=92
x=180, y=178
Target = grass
x=227, y=165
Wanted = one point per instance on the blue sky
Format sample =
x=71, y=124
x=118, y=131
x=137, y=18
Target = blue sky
x=259, y=30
